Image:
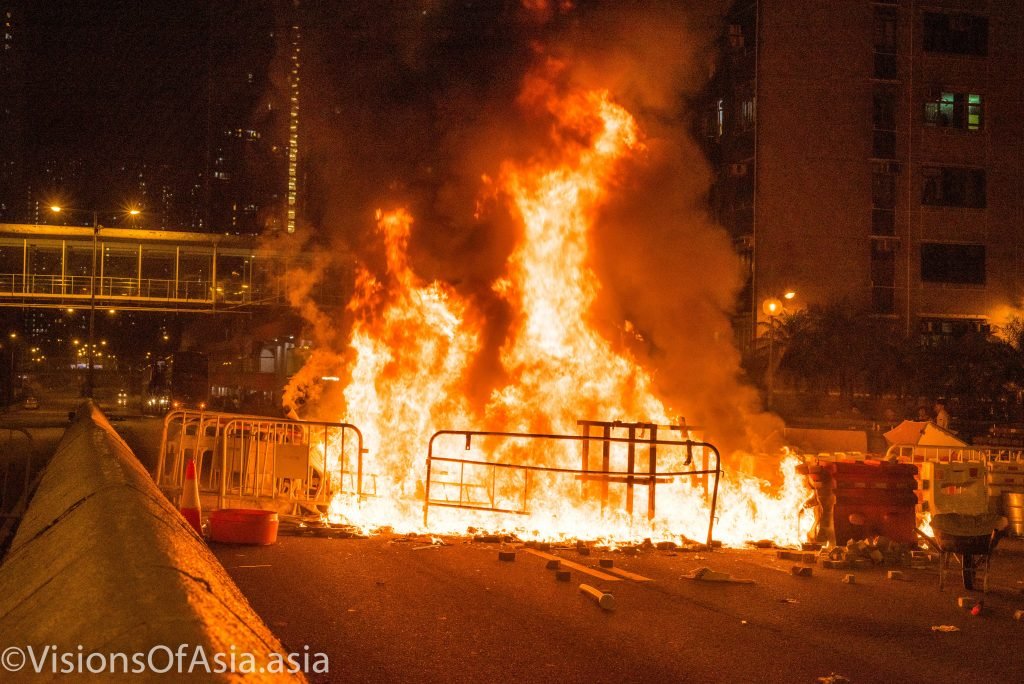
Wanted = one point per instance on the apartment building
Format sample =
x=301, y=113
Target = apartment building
x=872, y=151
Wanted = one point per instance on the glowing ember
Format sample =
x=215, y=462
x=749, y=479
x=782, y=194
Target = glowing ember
x=412, y=344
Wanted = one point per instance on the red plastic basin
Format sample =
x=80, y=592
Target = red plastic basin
x=243, y=526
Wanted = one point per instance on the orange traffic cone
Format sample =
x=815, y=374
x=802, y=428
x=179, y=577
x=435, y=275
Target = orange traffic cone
x=190, y=507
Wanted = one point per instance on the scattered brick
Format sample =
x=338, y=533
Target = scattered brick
x=801, y=570
x=797, y=557
x=507, y=556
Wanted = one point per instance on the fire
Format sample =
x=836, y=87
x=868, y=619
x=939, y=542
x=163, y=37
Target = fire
x=412, y=345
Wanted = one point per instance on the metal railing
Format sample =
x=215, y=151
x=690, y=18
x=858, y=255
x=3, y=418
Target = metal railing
x=256, y=457
x=604, y=476
x=127, y=287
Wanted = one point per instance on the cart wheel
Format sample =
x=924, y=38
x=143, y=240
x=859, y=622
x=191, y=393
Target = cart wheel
x=969, y=568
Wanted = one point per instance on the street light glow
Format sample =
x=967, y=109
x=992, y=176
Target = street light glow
x=772, y=306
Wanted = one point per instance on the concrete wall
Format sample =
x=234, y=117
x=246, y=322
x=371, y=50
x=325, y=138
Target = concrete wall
x=103, y=560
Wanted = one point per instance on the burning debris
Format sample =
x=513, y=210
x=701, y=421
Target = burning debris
x=415, y=350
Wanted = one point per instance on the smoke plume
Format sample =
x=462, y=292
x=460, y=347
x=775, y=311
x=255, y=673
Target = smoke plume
x=420, y=104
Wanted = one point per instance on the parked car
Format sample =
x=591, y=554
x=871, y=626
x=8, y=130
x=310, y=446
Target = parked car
x=30, y=403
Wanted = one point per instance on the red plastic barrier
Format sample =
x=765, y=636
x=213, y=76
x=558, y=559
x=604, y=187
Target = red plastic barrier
x=874, y=498
x=243, y=526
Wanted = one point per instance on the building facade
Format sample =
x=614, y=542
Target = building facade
x=12, y=109
x=871, y=151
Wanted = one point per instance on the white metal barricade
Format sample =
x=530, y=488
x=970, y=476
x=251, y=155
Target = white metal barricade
x=255, y=457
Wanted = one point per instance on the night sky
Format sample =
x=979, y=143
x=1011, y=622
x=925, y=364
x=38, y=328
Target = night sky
x=124, y=72
x=392, y=85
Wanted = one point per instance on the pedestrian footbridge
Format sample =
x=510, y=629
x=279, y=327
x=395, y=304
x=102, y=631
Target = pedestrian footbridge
x=68, y=267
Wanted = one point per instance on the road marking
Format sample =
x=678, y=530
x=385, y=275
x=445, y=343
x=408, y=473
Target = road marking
x=576, y=566
x=629, y=575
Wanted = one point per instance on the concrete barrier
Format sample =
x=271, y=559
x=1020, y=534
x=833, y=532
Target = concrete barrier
x=103, y=563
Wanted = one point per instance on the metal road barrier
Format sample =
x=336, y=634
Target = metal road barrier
x=481, y=492
x=256, y=457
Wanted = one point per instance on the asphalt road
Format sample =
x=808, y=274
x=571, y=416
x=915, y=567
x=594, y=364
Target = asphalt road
x=142, y=434
x=387, y=609
x=391, y=609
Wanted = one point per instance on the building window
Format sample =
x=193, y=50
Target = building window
x=884, y=117
x=886, y=66
x=736, y=39
x=953, y=186
x=883, y=276
x=745, y=121
x=938, y=331
x=714, y=126
x=883, y=203
x=952, y=263
x=956, y=33
x=954, y=110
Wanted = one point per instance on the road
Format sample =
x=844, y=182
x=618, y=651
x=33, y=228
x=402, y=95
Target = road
x=397, y=610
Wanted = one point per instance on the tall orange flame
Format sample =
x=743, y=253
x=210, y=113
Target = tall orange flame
x=413, y=343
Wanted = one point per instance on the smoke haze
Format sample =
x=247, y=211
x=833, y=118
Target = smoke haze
x=418, y=105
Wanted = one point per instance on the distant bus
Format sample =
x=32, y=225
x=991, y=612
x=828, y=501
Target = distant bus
x=178, y=380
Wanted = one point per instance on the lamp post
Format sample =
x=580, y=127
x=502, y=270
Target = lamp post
x=773, y=307
x=91, y=349
x=10, y=386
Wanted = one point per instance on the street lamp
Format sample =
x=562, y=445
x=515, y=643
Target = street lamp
x=89, y=379
x=10, y=386
x=772, y=308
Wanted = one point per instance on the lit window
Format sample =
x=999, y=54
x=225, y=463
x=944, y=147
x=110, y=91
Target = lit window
x=954, y=110
x=974, y=112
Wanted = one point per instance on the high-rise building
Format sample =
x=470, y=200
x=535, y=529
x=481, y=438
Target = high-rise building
x=295, y=53
x=12, y=111
x=247, y=178
x=871, y=151
x=197, y=136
